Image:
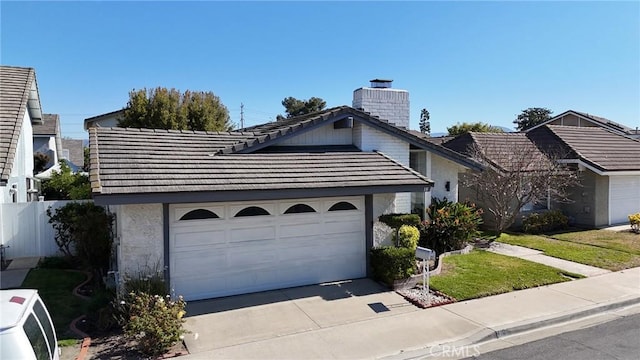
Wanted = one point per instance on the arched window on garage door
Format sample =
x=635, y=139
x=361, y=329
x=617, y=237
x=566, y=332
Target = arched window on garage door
x=199, y=214
x=342, y=206
x=299, y=208
x=252, y=211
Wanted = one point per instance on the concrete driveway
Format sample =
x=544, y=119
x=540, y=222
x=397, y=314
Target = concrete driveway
x=223, y=322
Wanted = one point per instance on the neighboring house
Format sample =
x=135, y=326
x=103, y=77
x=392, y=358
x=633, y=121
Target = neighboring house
x=73, y=151
x=609, y=165
x=610, y=171
x=505, y=153
x=581, y=119
x=20, y=109
x=282, y=204
x=110, y=119
x=46, y=138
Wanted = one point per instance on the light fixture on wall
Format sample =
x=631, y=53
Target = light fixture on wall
x=447, y=186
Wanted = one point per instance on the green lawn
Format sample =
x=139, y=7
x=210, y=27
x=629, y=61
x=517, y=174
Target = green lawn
x=55, y=287
x=604, y=258
x=482, y=273
x=615, y=240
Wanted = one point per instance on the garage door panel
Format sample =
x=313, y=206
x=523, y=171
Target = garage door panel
x=194, y=238
x=301, y=229
x=250, y=234
x=257, y=253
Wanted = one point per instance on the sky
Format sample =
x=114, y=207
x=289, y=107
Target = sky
x=463, y=61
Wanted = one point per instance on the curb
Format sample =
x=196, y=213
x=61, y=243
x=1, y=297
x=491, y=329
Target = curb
x=489, y=334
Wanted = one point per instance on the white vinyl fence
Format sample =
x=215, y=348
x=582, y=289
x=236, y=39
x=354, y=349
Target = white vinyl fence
x=25, y=229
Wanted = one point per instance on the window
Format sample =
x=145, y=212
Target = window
x=42, y=316
x=252, y=211
x=199, y=214
x=299, y=208
x=36, y=338
x=342, y=206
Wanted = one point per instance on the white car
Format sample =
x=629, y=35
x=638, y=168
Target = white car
x=26, y=329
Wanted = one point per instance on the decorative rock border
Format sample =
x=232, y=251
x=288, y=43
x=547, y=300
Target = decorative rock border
x=467, y=249
x=86, y=341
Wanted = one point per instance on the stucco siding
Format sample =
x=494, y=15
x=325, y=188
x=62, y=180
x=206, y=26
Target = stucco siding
x=602, y=200
x=382, y=204
x=141, y=241
x=325, y=135
x=582, y=208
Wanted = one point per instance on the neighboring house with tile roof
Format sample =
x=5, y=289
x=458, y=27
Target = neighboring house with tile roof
x=609, y=166
x=73, y=151
x=281, y=204
x=109, y=119
x=20, y=109
x=610, y=171
x=584, y=120
x=46, y=139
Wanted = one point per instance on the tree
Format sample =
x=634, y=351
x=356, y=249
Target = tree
x=425, y=125
x=40, y=162
x=459, y=129
x=523, y=177
x=163, y=108
x=64, y=185
x=87, y=159
x=296, y=107
x=532, y=117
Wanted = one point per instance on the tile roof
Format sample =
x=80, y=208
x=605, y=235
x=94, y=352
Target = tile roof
x=76, y=151
x=160, y=161
x=606, y=122
x=50, y=125
x=15, y=85
x=601, y=148
x=503, y=150
x=273, y=131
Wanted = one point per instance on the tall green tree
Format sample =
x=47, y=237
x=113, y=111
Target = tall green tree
x=163, y=108
x=459, y=129
x=297, y=107
x=425, y=125
x=531, y=117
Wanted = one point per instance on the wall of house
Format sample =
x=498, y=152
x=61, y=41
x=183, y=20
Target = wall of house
x=369, y=139
x=572, y=120
x=140, y=237
x=22, y=164
x=382, y=204
x=582, y=206
x=325, y=135
x=443, y=170
x=46, y=145
x=602, y=200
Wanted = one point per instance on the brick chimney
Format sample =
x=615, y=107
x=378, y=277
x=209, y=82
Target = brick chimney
x=383, y=101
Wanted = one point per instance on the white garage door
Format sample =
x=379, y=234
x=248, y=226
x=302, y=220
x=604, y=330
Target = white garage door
x=624, y=198
x=220, y=249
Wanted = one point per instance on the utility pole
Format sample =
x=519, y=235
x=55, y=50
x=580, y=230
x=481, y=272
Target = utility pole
x=241, y=116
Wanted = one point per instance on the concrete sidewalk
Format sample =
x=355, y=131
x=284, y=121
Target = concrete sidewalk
x=462, y=323
x=539, y=257
x=17, y=271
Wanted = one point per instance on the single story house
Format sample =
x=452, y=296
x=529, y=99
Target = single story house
x=282, y=204
x=609, y=166
x=20, y=109
x=608, y=163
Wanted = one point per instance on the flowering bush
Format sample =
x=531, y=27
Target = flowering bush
x=634, y=220
x=155, y=322
x=450, y=225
